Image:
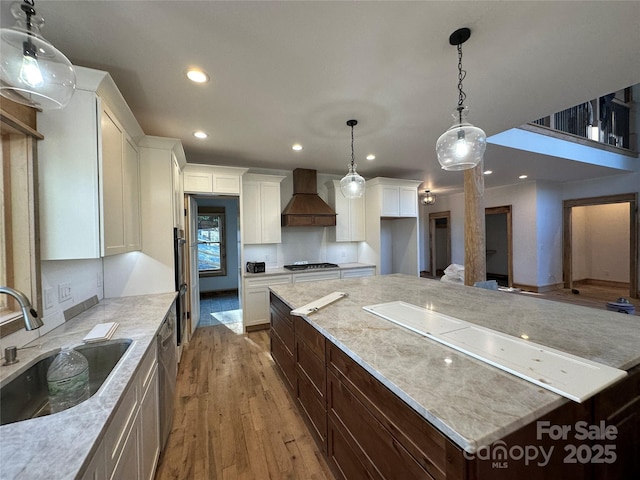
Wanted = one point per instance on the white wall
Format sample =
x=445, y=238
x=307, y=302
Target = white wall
x=601, y=236
x=85, y=279
x=548, y=234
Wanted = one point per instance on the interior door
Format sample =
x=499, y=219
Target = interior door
x=440, y=243
x=194, y=278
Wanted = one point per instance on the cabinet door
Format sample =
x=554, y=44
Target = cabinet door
x=97, y=468
x=150, y=429
x=390, y=201
x=127, y=466
x=226, y=184
x=357, y=219
x=270, y=203
x=251, y=224
x=131, y=196
x=68, y=162
x=256, y=306
x=198, y=182
x=343, y=216
x=112, y=185
x=408, y=202
x=178, y=202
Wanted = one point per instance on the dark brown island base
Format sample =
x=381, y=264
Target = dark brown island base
x=371, y=425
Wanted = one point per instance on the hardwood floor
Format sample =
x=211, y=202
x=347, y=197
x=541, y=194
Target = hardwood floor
x=594, y=296
x=233, y=417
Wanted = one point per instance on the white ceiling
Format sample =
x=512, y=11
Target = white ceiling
x=284, y=72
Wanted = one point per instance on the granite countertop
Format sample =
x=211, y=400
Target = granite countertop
x=284, y=271
x=472, y=403
x=59, y=446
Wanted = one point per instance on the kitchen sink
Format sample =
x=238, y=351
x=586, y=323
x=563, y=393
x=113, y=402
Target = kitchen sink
x=27, y=396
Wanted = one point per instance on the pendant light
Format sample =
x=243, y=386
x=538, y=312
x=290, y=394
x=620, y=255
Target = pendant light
x=32, y=71
x=352, y=184
x=463, y=145
x=428, y=198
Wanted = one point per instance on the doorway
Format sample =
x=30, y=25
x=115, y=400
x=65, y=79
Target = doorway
x=608, y=243
x=498, y=235
x=439, y=243
x=214, y=250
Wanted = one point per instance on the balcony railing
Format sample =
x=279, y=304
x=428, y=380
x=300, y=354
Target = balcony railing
x=605, y=120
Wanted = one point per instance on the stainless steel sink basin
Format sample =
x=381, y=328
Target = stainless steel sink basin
x=27, y=396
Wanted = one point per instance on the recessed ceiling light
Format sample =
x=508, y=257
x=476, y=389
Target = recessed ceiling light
x=197, y=75
x=371, y=157
x=488, y=172
x=200, y=134
x=522, y=177
x=297, y=147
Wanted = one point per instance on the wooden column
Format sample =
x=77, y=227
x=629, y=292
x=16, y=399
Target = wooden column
x=475, y=258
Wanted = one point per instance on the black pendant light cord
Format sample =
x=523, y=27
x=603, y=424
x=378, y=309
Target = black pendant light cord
x=352, y=123
x=28, y=48
x=461, y=76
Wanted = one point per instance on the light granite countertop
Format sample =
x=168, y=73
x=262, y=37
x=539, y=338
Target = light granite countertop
x=59, y=446
x=472, y=403
x=284, y=271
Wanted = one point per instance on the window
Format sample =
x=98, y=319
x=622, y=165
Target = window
x=212, y=258
x=19, y=253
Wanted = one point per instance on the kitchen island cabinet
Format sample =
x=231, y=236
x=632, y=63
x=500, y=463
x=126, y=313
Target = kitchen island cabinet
x=401, y=406
x=88, y=173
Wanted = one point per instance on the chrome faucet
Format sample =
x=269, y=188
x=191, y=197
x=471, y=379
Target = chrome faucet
x=27, y=310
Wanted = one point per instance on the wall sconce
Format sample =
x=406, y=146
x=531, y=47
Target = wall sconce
x=428, y=198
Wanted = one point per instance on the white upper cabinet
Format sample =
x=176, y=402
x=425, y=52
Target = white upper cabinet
x=261, y=209
x=212, y=179
x=88, y=173
x=398, y=198
x=350, y=214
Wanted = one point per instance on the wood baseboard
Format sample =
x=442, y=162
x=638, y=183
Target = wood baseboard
x=539, y=289
x=601, y=283
x=255, y=328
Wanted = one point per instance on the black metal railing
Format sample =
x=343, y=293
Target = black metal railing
x=605, y=120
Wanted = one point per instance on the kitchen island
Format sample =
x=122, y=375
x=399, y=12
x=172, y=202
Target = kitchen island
x=383, y=401
x=67, y=444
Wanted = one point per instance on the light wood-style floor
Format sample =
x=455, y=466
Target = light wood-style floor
x=233, y=418
x=594, y=296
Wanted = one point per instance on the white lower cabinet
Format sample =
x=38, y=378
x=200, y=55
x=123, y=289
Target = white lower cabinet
x=358, y=272
x=96, y=469
x=131, y=445
x=256, y=298
x=316, y=276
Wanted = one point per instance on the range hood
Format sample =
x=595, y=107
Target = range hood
x=306, y=208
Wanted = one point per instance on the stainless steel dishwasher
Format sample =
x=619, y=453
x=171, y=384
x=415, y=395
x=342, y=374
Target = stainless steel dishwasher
x=167, y=372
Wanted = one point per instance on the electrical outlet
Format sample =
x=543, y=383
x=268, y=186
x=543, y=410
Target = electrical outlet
x=48, y=298
x=64, y=292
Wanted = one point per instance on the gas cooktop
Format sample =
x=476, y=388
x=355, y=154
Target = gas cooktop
x=310, y=266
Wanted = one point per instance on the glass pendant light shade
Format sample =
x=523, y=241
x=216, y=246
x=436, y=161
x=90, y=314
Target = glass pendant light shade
x=462, y=146
x=352, y=184
x=32, y=71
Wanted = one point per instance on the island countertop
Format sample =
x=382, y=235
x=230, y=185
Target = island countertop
x=60, y=445
x=472, y=403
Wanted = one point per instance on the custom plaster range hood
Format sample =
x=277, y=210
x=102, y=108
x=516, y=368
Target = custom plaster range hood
x=306, y=208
